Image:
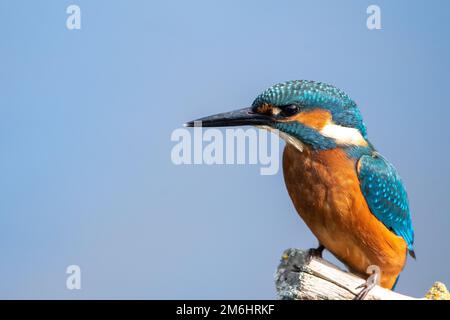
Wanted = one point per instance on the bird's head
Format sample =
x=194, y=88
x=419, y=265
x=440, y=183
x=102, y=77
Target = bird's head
x=305, y=113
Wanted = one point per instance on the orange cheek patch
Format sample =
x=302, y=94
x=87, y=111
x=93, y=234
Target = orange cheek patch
x=316, y=118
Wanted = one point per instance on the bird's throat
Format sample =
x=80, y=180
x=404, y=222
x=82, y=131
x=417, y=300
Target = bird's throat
x=287, y=138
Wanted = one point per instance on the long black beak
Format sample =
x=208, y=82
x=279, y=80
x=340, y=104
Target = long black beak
x=241, y=117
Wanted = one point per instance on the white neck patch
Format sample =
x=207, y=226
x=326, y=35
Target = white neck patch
x=343, y=135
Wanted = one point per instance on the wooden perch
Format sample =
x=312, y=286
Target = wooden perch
x=299, y=277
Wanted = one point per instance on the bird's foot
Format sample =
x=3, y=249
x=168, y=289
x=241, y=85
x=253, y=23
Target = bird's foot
x=316, y=252
x=371, y=282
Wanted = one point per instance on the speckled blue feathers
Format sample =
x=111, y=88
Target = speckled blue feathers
x=386, y=196
x=311, y=94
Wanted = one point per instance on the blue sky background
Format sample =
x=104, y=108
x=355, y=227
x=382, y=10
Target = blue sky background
x=86, y=118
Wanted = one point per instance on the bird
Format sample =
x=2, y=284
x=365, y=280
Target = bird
x=350, y=197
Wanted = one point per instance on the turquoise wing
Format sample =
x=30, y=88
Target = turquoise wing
x=386, y=196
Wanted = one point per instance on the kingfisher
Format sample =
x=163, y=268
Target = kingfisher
x=350, y=197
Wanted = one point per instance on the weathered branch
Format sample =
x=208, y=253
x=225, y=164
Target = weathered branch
x=302, y=278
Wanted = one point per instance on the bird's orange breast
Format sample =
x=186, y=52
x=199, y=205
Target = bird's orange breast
x=325, y=190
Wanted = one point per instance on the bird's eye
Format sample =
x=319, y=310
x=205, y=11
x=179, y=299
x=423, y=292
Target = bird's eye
x=289, y=110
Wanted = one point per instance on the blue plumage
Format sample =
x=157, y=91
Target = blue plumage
x=307, y=135
x=386, y=196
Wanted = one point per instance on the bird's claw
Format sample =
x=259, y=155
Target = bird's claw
x=370, y=283
x=316, y=252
